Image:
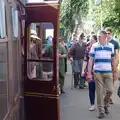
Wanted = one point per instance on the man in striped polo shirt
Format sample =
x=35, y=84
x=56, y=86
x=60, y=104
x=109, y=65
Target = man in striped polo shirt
x=102, y=55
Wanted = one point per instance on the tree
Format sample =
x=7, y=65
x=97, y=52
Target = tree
x=110, y=15
x=73, y=11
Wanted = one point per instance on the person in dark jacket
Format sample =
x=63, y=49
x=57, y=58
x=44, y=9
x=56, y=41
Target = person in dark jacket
x=76, y=53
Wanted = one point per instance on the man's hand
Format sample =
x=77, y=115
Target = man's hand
x=60, y=56
x=89, y=77
x=82, y=74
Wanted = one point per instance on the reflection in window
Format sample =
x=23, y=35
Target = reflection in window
x=15, y=22
x=33, y=26
x=41, y=47
x=2, y=19
x=40, y=70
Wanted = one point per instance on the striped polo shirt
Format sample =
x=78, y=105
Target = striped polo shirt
x=102, y=55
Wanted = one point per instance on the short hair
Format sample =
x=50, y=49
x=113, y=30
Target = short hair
x=92, y=32
x=94, y=37
x=82, y=35
x=108, y=29
x=103, y=32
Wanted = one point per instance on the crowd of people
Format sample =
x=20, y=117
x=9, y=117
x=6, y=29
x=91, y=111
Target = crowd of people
x=96, y=62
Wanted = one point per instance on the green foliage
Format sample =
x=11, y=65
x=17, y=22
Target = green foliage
x=110, y=15
x=72, y=10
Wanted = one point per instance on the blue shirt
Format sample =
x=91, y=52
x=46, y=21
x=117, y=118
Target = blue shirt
x=115, y=44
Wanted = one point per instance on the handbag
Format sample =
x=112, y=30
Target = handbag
x=118, y=93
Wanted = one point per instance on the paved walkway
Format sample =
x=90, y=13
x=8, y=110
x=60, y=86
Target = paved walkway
x=75, y=103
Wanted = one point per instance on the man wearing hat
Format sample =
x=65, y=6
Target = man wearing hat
x=77, y=52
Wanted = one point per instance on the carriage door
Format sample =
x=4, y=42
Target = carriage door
x=41, y=89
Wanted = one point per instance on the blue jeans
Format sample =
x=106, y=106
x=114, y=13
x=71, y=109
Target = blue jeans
x=92, y=92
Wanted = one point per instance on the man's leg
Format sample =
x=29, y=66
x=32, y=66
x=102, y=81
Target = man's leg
x=99, y=90
x=109, y=85
x=76, y=79
x=82, y=82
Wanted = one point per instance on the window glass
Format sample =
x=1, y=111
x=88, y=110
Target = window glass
x=15, y=22
x=40, y=48
x=40, y=70
x=33, y=26
x=2, y=19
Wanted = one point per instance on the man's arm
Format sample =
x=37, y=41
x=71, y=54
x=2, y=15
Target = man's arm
x=117, y=55
x=83, y=67
x=117, y=51
x=86, y=59
x=114, y=69
x=114, y=65
x=114, y=60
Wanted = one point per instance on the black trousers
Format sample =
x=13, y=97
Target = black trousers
x=77, y=79
x=65, y=64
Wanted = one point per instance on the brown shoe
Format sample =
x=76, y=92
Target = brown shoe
x=101, y=115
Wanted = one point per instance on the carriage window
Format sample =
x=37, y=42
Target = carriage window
x=40, y=48
x=15, y=22
x=2, y=19
x=3, y=80
x=40, y=70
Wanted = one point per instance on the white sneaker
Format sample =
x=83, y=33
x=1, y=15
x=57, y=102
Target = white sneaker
x=92, y=108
